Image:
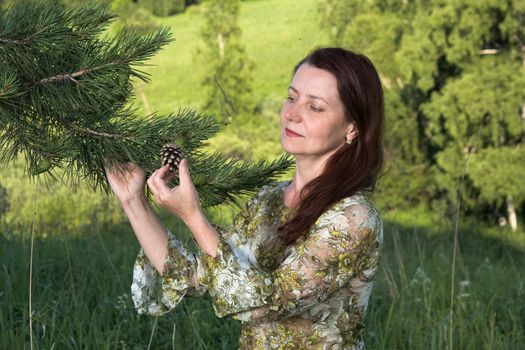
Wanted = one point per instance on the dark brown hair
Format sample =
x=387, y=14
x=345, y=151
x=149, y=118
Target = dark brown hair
x=356, y=166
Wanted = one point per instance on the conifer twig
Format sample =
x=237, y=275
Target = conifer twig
x=98, y=133
x=73, y=75
x=21, y=41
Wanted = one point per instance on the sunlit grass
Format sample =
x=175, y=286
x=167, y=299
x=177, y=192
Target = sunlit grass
x=81, y=295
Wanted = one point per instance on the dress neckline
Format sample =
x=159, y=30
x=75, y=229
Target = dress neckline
x=284, y=184
x=285, y=211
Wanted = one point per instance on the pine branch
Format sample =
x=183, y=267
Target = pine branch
x=71, y=76
x=97, y=133
x=65, y=103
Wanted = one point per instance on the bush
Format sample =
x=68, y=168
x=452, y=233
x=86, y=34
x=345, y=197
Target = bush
x=57, y=207
x=163, y=8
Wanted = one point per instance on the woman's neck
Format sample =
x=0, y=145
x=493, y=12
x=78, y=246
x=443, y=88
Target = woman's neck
x=306, y=169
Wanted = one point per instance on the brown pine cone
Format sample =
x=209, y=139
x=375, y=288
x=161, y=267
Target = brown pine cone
x=171, y=155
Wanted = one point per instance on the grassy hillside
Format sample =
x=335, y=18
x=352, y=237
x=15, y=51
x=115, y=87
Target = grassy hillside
x=276, y=35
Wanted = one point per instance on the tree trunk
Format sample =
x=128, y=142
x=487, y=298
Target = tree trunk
x=513, y=218
x=220, y=40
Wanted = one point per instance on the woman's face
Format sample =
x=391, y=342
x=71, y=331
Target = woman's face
x=312, y=117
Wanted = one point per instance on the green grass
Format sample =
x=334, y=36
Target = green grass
x=81, y=298
x=81, y=294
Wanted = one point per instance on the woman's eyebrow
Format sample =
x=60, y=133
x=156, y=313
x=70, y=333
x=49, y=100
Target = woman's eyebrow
x=307, y=95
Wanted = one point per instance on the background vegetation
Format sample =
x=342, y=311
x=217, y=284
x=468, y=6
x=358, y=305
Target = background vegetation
x=454, y=83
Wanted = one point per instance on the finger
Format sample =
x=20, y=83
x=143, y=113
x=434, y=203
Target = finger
x=131, y=167
x=184, y=173
x=161, y=176
x=157, y=185
x=115, y=169
x=165, y=174
x=151, y=183
x=110, y=168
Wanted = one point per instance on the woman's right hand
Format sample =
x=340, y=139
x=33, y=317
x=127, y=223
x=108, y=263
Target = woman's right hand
x=128, y=183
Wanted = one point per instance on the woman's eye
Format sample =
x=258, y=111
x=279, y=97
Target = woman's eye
x=315, y=108
x=289, y=98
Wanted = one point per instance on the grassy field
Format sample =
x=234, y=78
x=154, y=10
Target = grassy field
x=81, y=300
x=80, y=279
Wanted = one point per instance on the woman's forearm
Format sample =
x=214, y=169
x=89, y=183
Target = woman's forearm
x=204, y=233
x=150, y=232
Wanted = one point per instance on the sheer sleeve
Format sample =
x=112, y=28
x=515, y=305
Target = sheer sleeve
x=183, y=272
x=157, y=294
x=342, y=245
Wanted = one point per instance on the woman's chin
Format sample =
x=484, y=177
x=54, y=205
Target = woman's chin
x=287, y=148
x=292, y=151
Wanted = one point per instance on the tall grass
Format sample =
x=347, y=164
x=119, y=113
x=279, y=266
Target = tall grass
x=410, y=304
x=81, y=298
x=81, y=294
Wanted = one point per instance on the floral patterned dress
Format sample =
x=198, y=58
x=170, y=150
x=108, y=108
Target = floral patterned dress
x=311, y=295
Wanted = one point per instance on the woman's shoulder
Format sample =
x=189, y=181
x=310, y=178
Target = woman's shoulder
x=357, y=211
x=269, y=191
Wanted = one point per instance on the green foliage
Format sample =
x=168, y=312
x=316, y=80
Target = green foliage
x=58, y=208
x=81, y=297
x=454, y=85
x=478, y=114
x=4, y=202
x=499, y=172
x=228, y=80
x=133, y=15
x=335, y=17
x=252, y=138
x=163, y=7
x=410, y=305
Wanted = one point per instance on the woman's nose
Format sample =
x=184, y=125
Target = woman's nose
x=292, y=112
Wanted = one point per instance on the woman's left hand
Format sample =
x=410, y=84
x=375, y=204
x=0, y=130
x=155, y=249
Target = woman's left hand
x=181, y=200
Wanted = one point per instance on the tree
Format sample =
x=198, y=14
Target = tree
x=164, y=7
x=477, y=115
x=453, y=75
x=65, y=103
x=376, y=29
x=228, y=81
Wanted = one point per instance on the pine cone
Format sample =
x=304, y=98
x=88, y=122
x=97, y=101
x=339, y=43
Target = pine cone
x=171, y=155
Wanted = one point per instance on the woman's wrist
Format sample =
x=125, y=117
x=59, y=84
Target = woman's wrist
x=194, y=217
x=134, y=202
x=203, y=232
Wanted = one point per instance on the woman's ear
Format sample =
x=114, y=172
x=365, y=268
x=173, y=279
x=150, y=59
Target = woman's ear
x=351, y=132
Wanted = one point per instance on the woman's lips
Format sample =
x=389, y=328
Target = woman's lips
x=291, y=133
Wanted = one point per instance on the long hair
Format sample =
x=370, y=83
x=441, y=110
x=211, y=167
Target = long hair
x=353, y=167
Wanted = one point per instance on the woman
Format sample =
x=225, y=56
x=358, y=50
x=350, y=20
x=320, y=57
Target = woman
x=297, y=265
